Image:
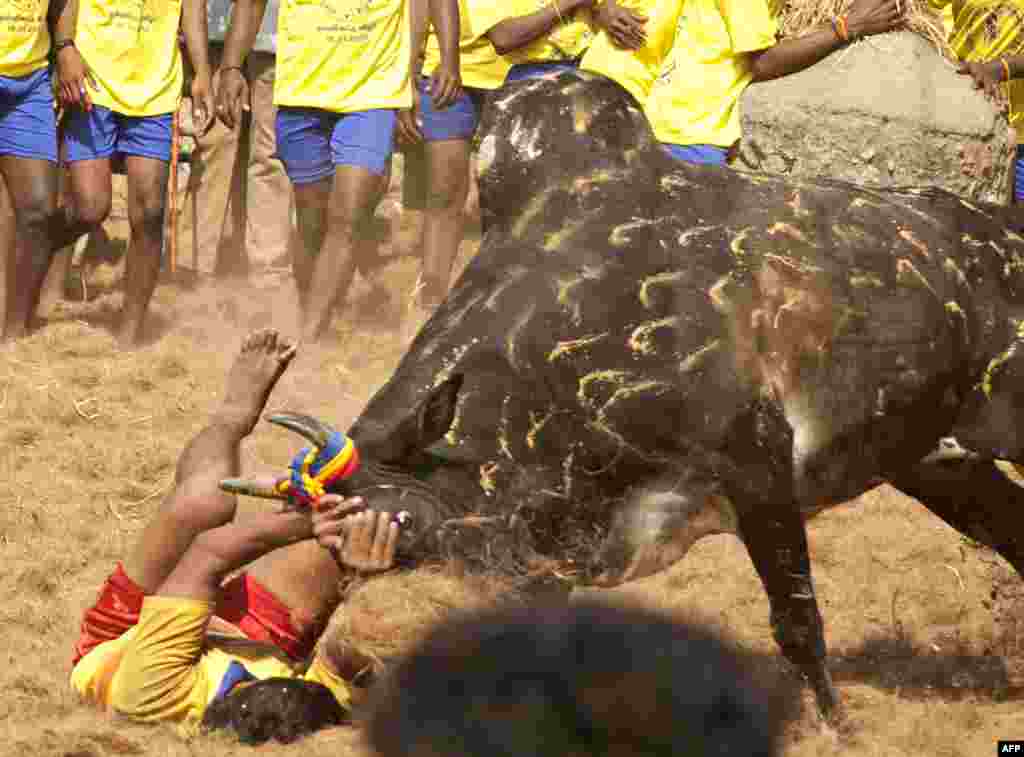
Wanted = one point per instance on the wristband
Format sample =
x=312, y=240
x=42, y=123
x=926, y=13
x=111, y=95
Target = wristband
x=58, y=46
x=841, y=28
x=239, y=69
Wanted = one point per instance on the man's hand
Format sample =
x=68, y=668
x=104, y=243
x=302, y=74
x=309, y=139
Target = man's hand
x=408, y=122
x=358, y=538
x=232, y=96
x=625, y=27
x=987, y=76
x=868, y=17
x=202, y=104
x=445, y=86
x=72, y=77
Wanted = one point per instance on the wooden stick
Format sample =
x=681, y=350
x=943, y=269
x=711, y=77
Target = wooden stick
x=172, y=190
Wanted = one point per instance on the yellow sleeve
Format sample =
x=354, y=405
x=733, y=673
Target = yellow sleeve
x=752, y=24
x=161, y=677
x=320, y=671
x=484, y=15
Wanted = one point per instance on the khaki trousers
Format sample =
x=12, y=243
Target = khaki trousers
x=238, y=205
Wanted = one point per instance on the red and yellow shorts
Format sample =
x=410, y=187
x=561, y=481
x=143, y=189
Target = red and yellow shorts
x=244, y=603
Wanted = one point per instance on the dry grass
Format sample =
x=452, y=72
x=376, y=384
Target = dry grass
x=926, y=660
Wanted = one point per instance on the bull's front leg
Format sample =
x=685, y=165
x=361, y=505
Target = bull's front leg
x=777, y=543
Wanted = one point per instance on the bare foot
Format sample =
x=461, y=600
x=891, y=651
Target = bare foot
x=262, y=361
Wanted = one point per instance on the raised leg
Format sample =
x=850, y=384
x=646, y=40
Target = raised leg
x=147, y=195
x=976, y=498
x=30, y=187
x=197, y=504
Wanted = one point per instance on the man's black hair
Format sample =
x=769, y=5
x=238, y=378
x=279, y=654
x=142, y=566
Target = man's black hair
x=278, y=709
x=580, y=679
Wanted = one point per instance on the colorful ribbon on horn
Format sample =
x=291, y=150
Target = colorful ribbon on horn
x=313, y=470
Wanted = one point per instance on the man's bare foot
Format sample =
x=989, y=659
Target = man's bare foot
x=264, y=357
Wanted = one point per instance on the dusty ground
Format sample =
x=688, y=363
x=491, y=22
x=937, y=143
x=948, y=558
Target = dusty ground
x=921, y=623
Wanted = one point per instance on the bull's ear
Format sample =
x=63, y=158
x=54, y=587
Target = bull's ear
x=428, y=423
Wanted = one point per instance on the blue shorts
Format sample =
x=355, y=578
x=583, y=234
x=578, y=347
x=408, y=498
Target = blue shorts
x=457, y=121
x=1018, y=177
x=28, y=124
x=103, y=133
x=312, y=142
x=521, y=71
x=705, y=155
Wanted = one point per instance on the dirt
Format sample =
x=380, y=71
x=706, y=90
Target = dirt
x=921, y=623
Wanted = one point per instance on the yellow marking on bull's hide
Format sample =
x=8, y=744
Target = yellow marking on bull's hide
x=533, y=209
x=864, y=279
x=907, y=274
x=684, y=237
x=503, y=445
x=455, y=316
x=1013, y=236
x=968, y=239
x=631, y=391
x=717, y=295
x=554, y=241
x=953, y=309
x=566, y=295
x=672, y=181
x=970, y=206
x=695, y=360
x=488, y=482
x=998, y=250
x=511, y=276
x=950, y=266
x=512, y=339
x=571, y=346
x=449, y=364
x=537, y=423
x=922, y=249
x=619, y=238
x=600, y=176
x=736, y=245
x=787, y=229
x=860, y=202
x=485, y=154
x=582, y=116
x=793, y=264
x=452, y=437
x=994, y=365
x=848, y=234
x=642, y=338
x=615, y=378
x=666, y=278
x=567, y=467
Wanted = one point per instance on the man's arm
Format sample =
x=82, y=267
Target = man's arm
x=233, y=89
x=990, y=75
x=72, y=72
x=193, y=22
x=865, y=18
x=513, y=33
x=407, y=123
x=446, y=81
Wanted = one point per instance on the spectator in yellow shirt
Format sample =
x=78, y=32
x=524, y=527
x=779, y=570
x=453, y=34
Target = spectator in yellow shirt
x=343, y=75
x=28, y=148
x=122, y=80
x=989, y=40
x=167, y=640
x=717, y=49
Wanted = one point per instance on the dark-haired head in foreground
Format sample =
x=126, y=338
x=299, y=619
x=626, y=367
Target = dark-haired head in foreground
x=582, y=679
x=278, y=709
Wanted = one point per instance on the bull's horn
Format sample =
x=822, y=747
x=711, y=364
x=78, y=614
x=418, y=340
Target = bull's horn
x=253, y=487
x=311, y=429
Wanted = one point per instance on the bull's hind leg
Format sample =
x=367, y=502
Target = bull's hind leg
x=777, y=544
x=976, y=498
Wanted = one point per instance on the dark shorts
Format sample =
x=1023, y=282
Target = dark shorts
x=103, y=133
x=312, y=142
x=707, y=155
x=457, y=121
x=28, y=124
x=522, y=71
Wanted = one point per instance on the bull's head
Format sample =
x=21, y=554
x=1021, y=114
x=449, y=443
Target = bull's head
x=395, y=474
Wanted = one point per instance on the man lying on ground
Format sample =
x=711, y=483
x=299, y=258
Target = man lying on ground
x=145, y=651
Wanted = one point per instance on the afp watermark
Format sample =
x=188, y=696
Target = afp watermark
x=1010, y=747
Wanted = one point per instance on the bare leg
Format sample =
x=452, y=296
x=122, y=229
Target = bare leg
x=352, y=201
x=88, y=202
x=31, y=189
x=197, y=504
x=147, y=194
x=311, y=211
x=444, y=221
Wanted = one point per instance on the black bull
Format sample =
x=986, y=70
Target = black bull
x=644, y=353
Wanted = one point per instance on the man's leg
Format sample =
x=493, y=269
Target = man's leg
x=361, y=147
x=197, y=504
x=269, y=229
x=444, y=220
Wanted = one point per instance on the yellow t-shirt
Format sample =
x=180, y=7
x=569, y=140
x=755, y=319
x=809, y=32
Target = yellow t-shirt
x=166, y=668
x=132, y=48
x=480, y=64
x=343, y=55
x=636, y=70
x=696, y=97
x=982, y=31
x=566, y=41
x=24, y=37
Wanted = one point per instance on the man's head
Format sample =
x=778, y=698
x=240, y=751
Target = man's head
x=580, y=680
x=275, y=709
